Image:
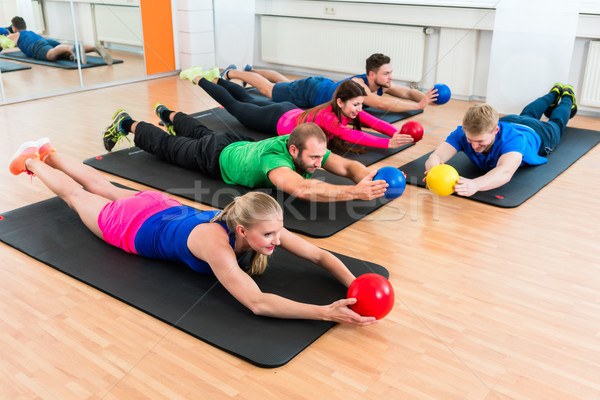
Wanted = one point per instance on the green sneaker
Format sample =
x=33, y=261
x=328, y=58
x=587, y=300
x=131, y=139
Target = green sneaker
x=558, y=88
x=6, y=43
x=212, y=74
x=570, y=91
x=158, y=110
x=190, y=73
x=114, y=133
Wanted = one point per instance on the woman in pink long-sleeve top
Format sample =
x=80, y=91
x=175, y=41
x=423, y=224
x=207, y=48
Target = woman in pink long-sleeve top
x=333, y=117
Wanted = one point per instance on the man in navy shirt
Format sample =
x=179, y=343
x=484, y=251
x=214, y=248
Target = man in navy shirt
x=35, y=46
x=501, y=145
x=316, y=90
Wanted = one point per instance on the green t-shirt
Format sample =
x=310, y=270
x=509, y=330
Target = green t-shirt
x=248, y=163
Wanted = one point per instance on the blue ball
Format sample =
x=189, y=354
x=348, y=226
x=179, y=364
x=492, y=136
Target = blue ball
x=443, y=92
x=394, y=178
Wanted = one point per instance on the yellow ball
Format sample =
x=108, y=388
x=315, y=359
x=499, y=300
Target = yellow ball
x=441, y=179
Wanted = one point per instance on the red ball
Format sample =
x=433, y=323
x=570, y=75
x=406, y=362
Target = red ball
x=374, y=295
x=414, y=129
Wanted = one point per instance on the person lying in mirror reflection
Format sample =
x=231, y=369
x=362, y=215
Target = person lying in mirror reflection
x=46, y=49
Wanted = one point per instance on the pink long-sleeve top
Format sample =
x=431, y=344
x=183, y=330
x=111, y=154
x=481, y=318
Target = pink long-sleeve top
x=329, y=122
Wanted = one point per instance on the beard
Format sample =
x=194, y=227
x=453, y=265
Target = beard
x=383, y=83
x=301, y=167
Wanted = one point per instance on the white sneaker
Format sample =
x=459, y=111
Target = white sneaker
x=104, y=54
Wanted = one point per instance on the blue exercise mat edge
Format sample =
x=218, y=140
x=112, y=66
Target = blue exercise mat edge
x=7, y=66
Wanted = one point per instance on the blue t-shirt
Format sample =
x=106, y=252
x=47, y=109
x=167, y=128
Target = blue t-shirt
x=164, y=236
x=328, y=87
x=26, y=41
x=510, y=137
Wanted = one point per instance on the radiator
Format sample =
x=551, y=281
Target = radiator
x=590, y=92
x=342, y=46
x=117, y=24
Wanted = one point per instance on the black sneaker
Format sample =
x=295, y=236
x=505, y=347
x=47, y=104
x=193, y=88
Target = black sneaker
x=114, y=133
x=158, y=109
x=569, y=91
x=558, y=88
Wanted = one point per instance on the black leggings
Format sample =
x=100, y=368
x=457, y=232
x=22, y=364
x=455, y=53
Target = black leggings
x=194, y=147
x=258, y=115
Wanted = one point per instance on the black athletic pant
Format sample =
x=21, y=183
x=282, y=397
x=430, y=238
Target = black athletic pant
x=194, y=147
x=256, y=114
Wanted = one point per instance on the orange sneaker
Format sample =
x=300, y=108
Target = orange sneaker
x=45, y=148
x=27, y=151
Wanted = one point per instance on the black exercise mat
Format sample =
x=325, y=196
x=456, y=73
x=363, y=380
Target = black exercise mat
x=315, y=219
x=174, y=293
x=220, y=120
x=7, y=66
x=527, y=181
x=391, y=116
x=92, y=61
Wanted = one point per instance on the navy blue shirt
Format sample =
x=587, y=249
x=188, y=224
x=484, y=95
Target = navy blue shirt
x=26, y=41
x=328, y=87
x=165, y=234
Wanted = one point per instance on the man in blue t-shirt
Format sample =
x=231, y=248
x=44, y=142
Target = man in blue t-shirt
x=501, y=145
x=316, y=90
x=45, y=49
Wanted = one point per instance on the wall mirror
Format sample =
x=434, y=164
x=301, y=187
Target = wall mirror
x=114, y=25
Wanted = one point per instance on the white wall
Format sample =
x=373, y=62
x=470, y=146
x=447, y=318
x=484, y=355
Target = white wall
x=482, y=63
x=459, y=51
x=455, y=62
x=234, y=32
x=8, y=9
x=528, y=53
x=450, y=50
x=59, y=22
x=195, y=24
x=116, y=22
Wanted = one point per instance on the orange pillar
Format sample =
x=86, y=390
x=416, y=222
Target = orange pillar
x=157, y=24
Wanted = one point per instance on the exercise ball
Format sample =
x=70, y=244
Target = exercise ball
x=441, y=179
x=374, y=295
x=443, y=93
x=394, y=178
x=414, y=129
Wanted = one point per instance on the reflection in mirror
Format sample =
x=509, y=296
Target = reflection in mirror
x=110, y=47
x=36, y=80
x=114, y=25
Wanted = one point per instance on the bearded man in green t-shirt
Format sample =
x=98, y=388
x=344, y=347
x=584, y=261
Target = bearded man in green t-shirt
x=286, y=162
